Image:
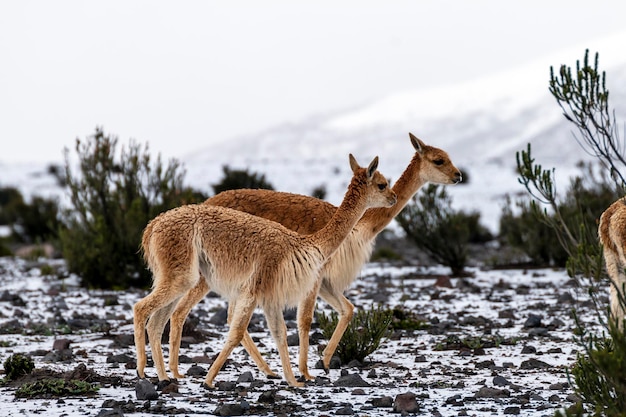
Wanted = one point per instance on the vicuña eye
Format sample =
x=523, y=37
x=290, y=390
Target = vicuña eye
x=438, y=161
x=382, y=186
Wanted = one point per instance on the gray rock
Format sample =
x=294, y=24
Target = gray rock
x=405, y=403
x=500, y=381
x=533, y=320
x=144, y=390
x=351, y=380
x=487, y=392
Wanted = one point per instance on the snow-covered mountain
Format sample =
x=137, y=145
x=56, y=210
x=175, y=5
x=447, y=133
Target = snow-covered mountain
x=481, y=124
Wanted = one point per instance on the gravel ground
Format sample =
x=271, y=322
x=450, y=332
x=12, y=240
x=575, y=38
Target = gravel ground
x=498, y=343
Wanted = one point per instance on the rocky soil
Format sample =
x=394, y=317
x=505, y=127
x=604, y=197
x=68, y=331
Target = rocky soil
x=497, y=343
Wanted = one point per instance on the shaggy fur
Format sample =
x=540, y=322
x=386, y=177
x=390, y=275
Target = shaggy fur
x=249, y=260
x=612, y=234
x=307, y=215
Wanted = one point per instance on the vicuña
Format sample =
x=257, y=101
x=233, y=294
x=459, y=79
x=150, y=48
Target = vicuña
x=308, y=215
x=249, y=260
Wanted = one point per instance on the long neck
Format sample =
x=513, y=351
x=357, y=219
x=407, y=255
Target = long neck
x=376, y=219
x=345, y=218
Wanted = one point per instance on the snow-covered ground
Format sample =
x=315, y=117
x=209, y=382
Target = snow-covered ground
x=521, y=370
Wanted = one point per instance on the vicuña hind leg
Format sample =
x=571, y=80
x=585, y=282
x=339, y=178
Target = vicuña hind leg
x=184, y=306
x=156, y=325
x=158, y=299
x=276, y=323
x=240, y=318
x=345, y=309
x=250, y=347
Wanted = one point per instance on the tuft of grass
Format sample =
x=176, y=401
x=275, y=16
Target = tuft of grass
x=56, y=387
x=362, y=337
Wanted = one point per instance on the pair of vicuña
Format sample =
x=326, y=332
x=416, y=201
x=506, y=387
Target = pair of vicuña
x=273, y=250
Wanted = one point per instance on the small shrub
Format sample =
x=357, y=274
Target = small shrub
x=319, y=192
x=18, y=365
x=113, y=198
x=237, y=178
x=56, y=387
x=403, y=319
x=362, y=337
x=385, y=253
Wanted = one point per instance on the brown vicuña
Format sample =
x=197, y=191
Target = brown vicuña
x=245, y=258
x=307, y=215
x=612, y=234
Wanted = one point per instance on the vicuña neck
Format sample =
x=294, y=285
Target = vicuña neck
x=345, y=218
x=376, y=219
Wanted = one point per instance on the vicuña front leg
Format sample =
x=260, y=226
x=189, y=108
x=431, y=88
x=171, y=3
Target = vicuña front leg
x=345, y=309
x=276, y=323
x=240, y=318
x=251, y=348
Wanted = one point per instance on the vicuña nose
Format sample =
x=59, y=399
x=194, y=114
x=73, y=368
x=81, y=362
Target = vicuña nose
x=459, y=176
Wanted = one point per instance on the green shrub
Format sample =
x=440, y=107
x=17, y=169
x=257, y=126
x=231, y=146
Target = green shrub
x=18, y=365
x=600, y=370
x=444, y=234
x=362, y=337
x=240, y=178
x=113, y=198
x=56, y=387
x=31, y=222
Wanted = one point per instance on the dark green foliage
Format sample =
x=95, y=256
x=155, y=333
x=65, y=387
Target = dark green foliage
x=37, y=221
x=444, y=234
x=362, y=337
x=319, y=192
x=236, y=178
x=584, y=99
x=56, y=387
x=113, y=197
x=600, y=370
x=574, y=218
x=535, y=239
x=600, y=373
x=403, y=319
x=17, y=365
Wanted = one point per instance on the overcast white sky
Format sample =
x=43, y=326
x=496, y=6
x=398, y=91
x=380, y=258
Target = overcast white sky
x=183, y=74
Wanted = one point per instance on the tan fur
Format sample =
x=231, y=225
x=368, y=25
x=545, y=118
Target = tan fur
x=612, y=234
x=307, y=215
x=249, y=260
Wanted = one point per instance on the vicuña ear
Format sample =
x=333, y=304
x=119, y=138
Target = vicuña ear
x=372, y=168
x=417, y=144
x=354, y=165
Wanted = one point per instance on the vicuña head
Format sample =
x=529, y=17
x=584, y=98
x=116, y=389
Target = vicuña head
x=249, y=260
x=307, y=215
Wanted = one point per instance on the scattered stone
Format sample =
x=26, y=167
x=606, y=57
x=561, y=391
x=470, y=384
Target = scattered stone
x=351, y=380
x=529, y=350
x=443, y=281
x=512, y=410
x=345, y=411
x=405, y=403
x=533, y=320
x=144, y=390
x=534, y=364
x=500, y=381
x=196, y=370
x=245, y=377
x=487, y=392
x=226, y=385
x=382, y=402
x=268, y=397
x=121, y=358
